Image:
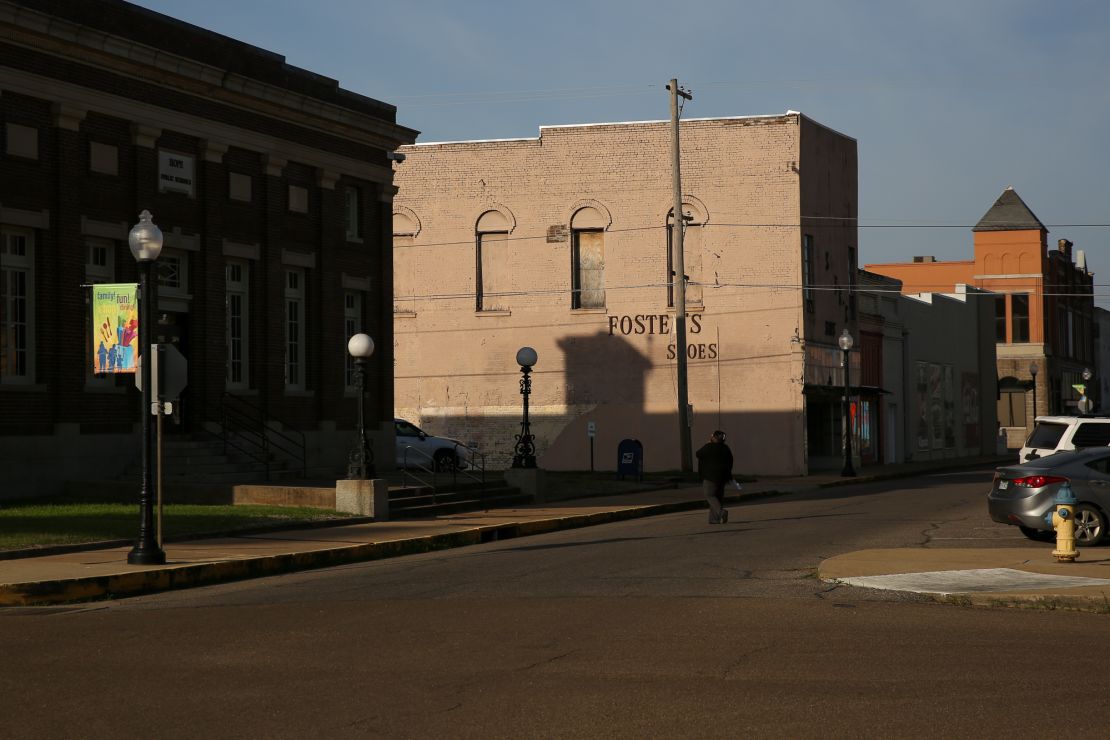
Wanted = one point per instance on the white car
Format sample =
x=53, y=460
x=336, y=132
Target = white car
x=417, y=448
x=1053, y=434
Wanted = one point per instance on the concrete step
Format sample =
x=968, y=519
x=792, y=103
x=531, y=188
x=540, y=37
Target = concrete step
x=460, y=505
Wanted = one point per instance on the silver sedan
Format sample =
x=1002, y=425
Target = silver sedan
x=1022, y=494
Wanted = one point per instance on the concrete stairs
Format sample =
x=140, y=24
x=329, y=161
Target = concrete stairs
x=409, y=502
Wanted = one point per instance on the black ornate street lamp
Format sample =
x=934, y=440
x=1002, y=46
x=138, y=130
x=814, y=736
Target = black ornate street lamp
x=525, y=456
x=145, y=240
x=846, y=343
x=361, y=461
x=1033, y=370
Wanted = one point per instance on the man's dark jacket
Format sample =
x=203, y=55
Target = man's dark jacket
x=715, y=462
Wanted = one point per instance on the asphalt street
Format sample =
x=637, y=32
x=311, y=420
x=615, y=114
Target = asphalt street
x=664, y=626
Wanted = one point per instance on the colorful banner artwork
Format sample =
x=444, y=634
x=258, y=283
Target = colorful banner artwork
x=115, y=328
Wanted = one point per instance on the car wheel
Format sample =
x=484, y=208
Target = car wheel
x=1038, y=535
x=1090, y=525
x=445, y=461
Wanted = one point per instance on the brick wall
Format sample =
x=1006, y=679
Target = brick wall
x=745, y=180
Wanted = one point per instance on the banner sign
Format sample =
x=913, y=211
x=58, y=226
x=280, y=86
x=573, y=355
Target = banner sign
x=115, y=328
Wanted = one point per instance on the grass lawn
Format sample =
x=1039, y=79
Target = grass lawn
x=30, y=524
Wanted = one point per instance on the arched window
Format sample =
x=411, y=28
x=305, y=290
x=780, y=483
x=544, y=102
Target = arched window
x=491, y=260
x=405, y=228
x=691, y=253
x=588, y=258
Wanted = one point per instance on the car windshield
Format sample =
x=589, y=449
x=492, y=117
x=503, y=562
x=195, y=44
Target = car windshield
x=405, y=429
x=1046, y=435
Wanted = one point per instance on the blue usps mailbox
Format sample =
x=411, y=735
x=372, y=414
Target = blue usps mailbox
x=630, y=459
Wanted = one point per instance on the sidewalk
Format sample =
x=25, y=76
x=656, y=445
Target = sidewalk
x=104, y=573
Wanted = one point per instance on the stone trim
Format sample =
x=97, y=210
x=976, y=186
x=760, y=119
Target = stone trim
x=123, y=55
x=144, y=135
x=176, y=239
x=25, y=218
x=239, y=250
x=298, y=259
x=68, y=117
x=352, y=282
x=149, y=121
x=275, y=166
x=214, y=152
x=104, y=229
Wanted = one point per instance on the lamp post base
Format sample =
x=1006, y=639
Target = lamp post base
x=150, y=556
x=848, y=471
x=524, y=461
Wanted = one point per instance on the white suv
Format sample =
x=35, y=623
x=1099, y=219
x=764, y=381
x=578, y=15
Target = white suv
x=1054, y=434
x=417, y=448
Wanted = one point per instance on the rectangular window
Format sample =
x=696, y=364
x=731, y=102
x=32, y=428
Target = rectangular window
x=237, y=329
x=493, y=271
x=103, y=158
x=239, y=187
x=298, y=199
x=22, y=141
x=173, y=273
x=404, y=278
x=294, y=330
x=1011, y=408
x=17, y=313
x=807, y=272
x=1000, y=319
x=352, y=324
x=1019, y=309
x=99, y=268
x=588, y=269
x=351, y=205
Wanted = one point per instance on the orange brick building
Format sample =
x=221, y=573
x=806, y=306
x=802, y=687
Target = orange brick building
x=1044, y=309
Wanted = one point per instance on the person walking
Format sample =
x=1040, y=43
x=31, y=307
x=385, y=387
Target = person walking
x=715, y=469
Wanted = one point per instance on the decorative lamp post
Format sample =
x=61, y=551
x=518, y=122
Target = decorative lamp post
x=1033, y=370
x=361, y=462
x=525, y=451
x=145, y=240
x=846, y=343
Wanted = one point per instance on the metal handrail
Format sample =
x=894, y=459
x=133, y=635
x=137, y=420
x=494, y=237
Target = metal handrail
x=244, y=427
x=472, y=462
x=406, y=469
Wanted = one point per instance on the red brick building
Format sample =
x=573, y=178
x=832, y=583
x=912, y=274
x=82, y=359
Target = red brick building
x=1043, y=309
x=273, y=187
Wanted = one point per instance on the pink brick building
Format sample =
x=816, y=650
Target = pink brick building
x=561, y=242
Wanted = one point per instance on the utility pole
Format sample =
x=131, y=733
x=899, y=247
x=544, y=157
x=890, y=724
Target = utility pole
x=678, y=282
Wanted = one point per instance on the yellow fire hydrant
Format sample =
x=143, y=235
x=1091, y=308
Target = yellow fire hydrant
x=1062, y=519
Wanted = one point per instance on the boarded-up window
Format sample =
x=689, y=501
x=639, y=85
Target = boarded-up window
x=404, y=263
x=588, y=269
x=491, y=262
x=493, y=271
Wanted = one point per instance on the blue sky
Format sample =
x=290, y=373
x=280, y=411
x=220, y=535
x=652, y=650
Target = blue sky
x=950, y=101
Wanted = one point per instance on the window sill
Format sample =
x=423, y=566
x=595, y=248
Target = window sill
x=590, y=310
x=695, y=308
x=23, y=387
x=404, y=314
x=494, y=312
x=236, y=391
x=105, y=389
x=354, y=239
x=299, y=393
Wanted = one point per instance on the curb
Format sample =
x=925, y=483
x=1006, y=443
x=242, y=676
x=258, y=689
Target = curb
x=162, y=578
x=187, y=576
